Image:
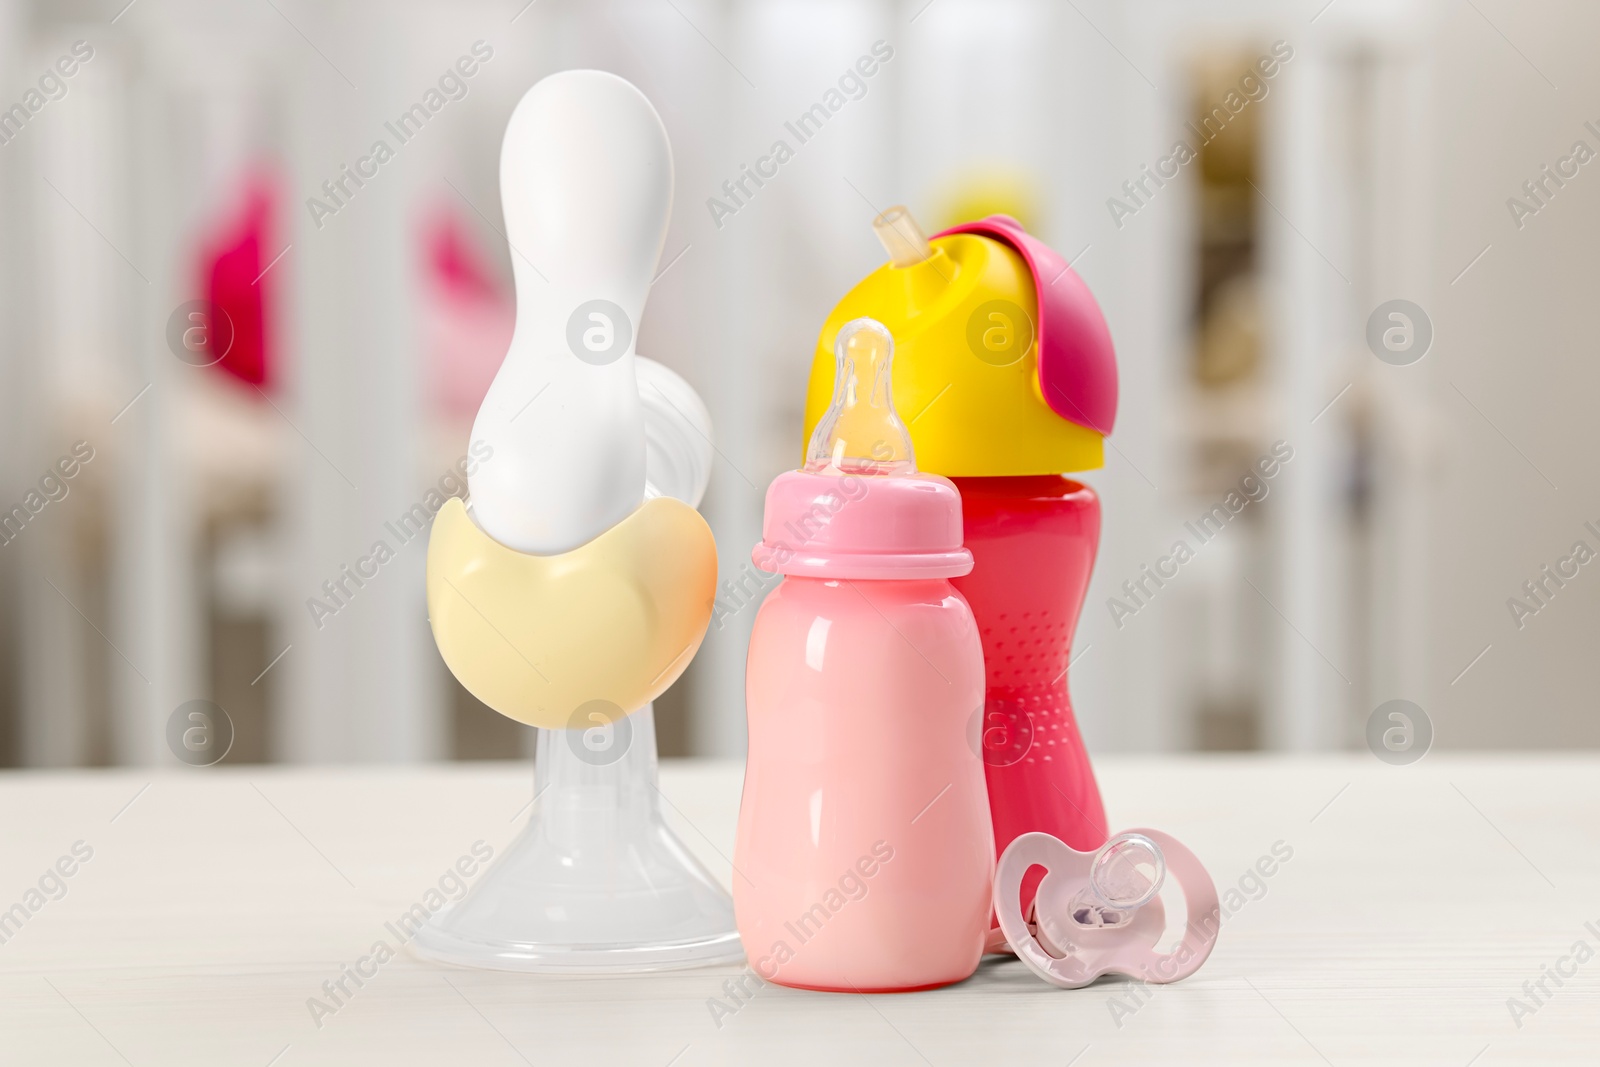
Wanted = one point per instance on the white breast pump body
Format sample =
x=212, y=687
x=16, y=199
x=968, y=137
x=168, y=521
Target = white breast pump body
x=586, y=182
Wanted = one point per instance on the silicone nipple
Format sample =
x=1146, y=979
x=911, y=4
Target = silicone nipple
x=586, y=181
x=1128, y=871
x=1124, y=875
x=861, y=433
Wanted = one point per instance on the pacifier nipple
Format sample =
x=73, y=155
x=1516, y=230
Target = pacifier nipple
x=1128, y=871
x=861, y=433
x=1124, y=876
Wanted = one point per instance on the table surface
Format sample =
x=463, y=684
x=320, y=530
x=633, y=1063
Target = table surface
x=1417, y=903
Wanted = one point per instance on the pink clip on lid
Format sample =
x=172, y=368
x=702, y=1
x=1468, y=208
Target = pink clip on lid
x=1099, y=912
x=860, y=509
x=1077, y=361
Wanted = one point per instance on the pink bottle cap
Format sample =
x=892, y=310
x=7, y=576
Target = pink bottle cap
x=1100, y=912
x=859, y=526
x=860, y=509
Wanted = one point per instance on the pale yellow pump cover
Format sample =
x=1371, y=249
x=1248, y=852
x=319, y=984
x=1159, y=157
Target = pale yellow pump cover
x=539, y=637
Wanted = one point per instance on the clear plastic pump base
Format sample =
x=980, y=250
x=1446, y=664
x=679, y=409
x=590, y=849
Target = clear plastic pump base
x=595, y=883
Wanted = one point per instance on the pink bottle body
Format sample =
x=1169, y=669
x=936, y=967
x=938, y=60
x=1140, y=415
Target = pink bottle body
x=1033, y=542
x=865, y=850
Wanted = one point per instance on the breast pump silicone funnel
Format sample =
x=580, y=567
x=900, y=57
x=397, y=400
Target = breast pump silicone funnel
x=568, y=603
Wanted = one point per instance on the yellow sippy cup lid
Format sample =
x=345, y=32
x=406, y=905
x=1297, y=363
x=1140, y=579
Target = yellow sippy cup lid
x=984, y=391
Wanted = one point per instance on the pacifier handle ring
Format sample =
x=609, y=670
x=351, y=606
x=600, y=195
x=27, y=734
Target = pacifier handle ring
x=1038, y=849
x=1203, y=906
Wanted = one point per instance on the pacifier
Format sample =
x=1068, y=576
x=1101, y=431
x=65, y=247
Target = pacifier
x=1101, y=912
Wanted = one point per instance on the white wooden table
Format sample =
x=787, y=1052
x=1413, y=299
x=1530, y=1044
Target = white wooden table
x=216, y=902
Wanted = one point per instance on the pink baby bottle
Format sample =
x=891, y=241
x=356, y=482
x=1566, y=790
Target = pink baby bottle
x=865, y=848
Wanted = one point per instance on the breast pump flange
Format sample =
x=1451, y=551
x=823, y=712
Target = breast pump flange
x=585, y=443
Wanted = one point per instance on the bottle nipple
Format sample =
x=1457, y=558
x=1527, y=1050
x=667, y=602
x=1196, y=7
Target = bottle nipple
x=861, y=433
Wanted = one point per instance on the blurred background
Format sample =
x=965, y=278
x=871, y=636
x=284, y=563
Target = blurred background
x=162, y=157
